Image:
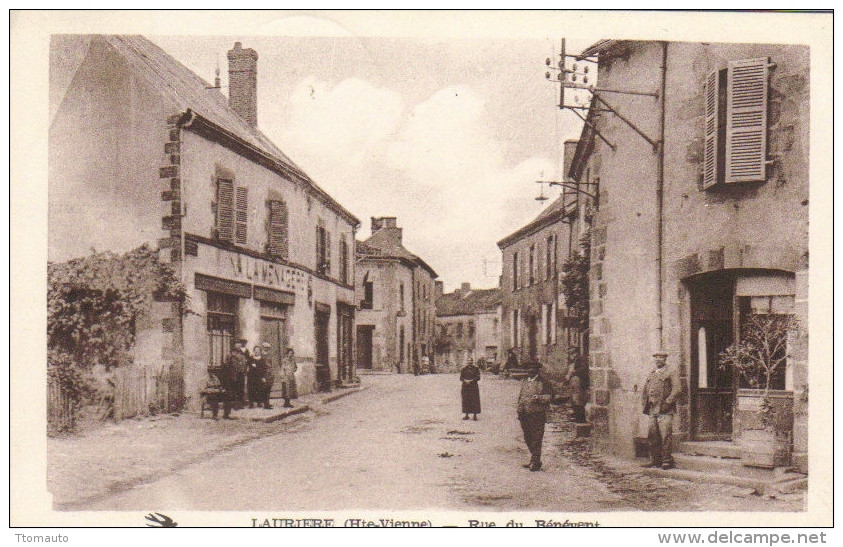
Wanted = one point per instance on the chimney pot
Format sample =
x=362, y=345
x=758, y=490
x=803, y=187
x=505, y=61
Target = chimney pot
x=465, y=288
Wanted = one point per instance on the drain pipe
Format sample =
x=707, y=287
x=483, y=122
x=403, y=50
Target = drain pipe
x=660, y=195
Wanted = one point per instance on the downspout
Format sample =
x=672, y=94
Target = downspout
x=660, y=194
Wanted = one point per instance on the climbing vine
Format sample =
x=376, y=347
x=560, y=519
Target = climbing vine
x=93, y=305
x=575, y=285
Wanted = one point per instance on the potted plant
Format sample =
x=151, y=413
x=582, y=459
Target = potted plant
x=763, y=417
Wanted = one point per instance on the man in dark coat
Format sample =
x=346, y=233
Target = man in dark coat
x=533, y=400
x=659, y=401
x=227, y=378
x=469, y=376
x=267, y=374
x=239, y=360
x=511, y=361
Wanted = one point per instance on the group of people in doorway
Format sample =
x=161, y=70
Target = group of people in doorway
x=659, y=395
x=247, y=378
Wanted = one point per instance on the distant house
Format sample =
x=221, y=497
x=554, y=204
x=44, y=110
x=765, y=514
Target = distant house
x=468, y=324
x=142, y=150
x=394, y=294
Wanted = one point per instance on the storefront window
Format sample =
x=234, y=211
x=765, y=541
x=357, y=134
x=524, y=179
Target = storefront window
x=222, y=324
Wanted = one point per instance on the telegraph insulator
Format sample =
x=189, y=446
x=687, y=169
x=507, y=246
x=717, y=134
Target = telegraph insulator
x=547, y=61
x=561, y=65
x=575, y=66
x=585, y=79
x=585, y=69
x=547, y=75
x=560, y=76
x=573, y=77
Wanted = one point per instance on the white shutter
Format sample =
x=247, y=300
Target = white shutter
x=710, y=174
x=746, y=121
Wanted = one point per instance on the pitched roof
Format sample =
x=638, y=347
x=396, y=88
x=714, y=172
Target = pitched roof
x=388, y=247
x=549, y=215
x=476, y=301
x=188, y=91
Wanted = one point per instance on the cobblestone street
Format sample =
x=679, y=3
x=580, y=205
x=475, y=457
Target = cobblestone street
x=402, y=445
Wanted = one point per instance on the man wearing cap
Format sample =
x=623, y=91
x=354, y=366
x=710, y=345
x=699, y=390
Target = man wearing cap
x=268, y=377
x=659, y=399
x=239, y=362
x=533, y=399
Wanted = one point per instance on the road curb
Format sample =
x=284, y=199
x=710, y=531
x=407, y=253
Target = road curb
x=281, y=415
x=334, y=397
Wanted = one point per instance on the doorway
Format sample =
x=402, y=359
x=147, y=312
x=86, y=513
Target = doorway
x=712, y=331
x=322, y=320
x=344, y=342
x=364, y=346
x=274, y=330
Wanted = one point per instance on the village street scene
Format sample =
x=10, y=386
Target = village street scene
x=343, y=273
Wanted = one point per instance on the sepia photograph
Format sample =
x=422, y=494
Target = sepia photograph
x=388, y=269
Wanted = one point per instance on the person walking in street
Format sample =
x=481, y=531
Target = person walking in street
x=533, y=400
x=239, y=360
x=288, y=377
x=659, y=401
x=469, y=376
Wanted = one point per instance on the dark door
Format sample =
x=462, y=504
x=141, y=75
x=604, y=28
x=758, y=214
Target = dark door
x=344, y=357
x=323, y=369
x=533, y=337
x=712, y=388
x=364, y=346
x=274, y=331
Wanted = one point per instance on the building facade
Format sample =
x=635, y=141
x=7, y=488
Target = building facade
x=468, y=324
x=702, y=221
x=534, y=311
x=160, y=156
x=396, y=312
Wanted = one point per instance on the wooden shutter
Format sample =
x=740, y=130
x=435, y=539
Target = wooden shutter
x=712, y=107
x=225, y=210
x=241, y=214
x=327, y=252
x=278, y=228
x=746, y=121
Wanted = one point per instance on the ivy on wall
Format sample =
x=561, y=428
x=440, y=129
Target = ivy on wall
x=93, y=306
x=575, y=285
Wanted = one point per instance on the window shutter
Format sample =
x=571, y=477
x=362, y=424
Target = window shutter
x=712, y=105
x=241, y=214
x=327, y=253
x=746, y=121
x=225, y=210
x=278, y=228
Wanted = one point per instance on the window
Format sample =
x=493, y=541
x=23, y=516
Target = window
x=401, y=295
x=471, y=329
x=532, y=264
x=495, y=326
x=735, y=101
x=222, y=324
x=278, y=230
x=401, y=345
x=515, y=268
x=768, y=316
x=368, y=294
x=550, y=257
x=459, y=330
x=225, y=210
x=343, y=260
x=323, y=251
x=549, y=322
x=515, y=328
x=241, y=223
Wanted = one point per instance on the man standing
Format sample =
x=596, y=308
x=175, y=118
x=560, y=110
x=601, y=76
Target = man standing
x=533, y=400
x=239, y=361
x=659, y=399
x=288, y=377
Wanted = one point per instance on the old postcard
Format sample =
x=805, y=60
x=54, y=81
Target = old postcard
x=611, y=306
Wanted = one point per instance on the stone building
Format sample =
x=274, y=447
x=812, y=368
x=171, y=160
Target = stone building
x=534, y=312
x=396, y=311
x=142, y=150
x=468, y=324
x=702, y=221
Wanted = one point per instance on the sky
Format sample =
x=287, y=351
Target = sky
x=449, y=135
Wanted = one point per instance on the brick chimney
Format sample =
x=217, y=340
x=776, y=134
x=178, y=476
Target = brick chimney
x=243, y=82
x=389, y=225
x=465, y=288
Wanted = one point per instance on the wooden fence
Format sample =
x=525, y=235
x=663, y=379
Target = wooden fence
x=140, y=391
x=61, y=409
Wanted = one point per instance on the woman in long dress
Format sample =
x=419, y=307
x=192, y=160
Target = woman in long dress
x=469, y=376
